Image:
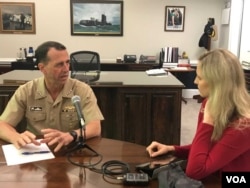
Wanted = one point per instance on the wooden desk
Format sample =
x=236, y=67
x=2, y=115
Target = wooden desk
x=128, y=66
x=58, y=172
x=5, y=64
x=15, y=65
x=137, y=108
x=4, y=68
x=185, y=75
x=23, y=66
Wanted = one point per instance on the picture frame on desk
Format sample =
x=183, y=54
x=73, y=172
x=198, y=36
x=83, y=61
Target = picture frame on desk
x=96, y=17
x=174, y=18
x=17, y=18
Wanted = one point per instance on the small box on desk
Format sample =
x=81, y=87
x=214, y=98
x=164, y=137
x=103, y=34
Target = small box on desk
x=129, y=58
x=183, y=63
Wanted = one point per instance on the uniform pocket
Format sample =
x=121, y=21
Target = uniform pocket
x=70, y=120
x=69, y=116
x=36, y=116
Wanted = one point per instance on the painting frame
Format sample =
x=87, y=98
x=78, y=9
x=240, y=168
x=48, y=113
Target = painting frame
x=96, y=17
x=17, y=18
x=174, y=18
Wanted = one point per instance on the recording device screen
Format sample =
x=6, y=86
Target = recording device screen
x=151, y=166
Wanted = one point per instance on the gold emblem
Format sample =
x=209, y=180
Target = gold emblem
x=69, y=109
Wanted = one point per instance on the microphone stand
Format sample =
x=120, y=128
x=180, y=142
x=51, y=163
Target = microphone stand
x=81, y=143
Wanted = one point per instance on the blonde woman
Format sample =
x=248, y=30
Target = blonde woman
x=221, y=142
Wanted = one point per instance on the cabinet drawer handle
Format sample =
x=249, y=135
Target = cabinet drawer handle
x=4, y=95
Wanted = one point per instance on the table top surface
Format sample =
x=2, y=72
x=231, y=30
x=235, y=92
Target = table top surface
x=59, y=172
x=126, y=78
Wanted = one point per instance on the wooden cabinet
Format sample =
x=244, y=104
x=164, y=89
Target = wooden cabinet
x=150, y=113
x=5, y=95
x=140, y=115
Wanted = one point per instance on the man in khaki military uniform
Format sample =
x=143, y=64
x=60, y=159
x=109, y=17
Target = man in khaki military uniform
x=46, y=104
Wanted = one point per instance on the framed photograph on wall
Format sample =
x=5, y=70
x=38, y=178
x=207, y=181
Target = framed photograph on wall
x=17, y=18
x=174, y=18
x=96, y=17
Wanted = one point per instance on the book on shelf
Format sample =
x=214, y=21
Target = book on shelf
x=170, y=54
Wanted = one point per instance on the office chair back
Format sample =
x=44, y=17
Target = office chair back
x=85, y=66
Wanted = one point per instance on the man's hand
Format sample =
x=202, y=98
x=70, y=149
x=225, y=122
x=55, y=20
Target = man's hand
x=24, y=138
x=52, y=136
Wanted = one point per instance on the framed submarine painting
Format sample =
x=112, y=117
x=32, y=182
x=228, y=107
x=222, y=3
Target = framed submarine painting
x=96, y=17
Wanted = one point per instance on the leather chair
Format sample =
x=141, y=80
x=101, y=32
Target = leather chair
x=85, y=66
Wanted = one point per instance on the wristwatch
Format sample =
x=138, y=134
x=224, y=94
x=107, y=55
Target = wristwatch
x=74, y=135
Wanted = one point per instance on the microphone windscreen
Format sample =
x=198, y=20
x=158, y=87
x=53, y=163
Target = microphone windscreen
x=75, y=99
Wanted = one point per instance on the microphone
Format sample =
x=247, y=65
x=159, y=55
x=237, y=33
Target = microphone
x=76, y=101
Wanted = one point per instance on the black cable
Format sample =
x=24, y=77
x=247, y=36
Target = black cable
x=114, y=168
x=111, y=168
x=88, y=165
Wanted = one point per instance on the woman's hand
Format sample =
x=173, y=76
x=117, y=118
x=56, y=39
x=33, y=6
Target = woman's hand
x=155, y=149
x=207, y=118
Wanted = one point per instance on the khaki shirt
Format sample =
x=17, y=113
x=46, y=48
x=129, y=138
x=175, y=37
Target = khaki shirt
x=33, y=102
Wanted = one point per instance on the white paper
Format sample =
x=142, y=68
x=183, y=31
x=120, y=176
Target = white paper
x=155, y=72
x=14, y=156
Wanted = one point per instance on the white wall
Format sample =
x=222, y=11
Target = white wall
x=235, y=26
x=245, y=44
x=143, y=29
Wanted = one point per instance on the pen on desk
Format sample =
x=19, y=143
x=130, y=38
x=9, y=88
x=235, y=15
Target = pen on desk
x=35, y=152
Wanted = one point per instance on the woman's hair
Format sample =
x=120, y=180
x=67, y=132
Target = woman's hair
x=42, y=50
x=228, y=95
